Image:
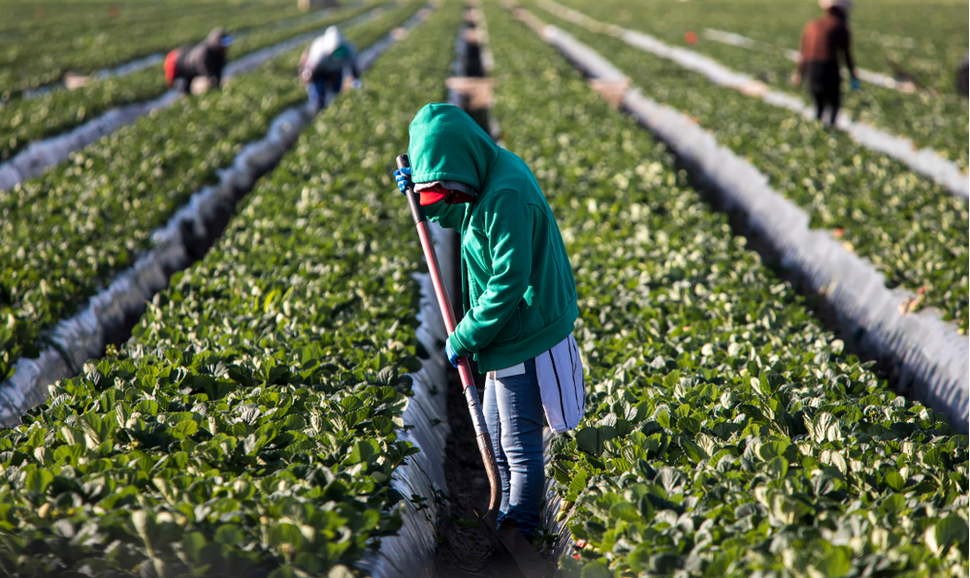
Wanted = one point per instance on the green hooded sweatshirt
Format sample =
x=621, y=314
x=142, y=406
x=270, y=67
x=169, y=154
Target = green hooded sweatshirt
x=520, y=295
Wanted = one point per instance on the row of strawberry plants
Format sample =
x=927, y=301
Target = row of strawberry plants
x=937, y=121
x=927, y=39
x=250, y=424
x=727, y=433
x=58, y=111
x=81, y=37
x=913, y=230
x=69, y=232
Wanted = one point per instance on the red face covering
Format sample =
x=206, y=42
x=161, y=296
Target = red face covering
x=439, y=193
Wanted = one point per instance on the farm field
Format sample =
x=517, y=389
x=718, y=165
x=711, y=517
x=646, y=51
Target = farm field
x=52, y=113
x=912, y=229
x=43, y=40
x=728, y=432
x=254, y=422
x=85, y=222
x=204, y=447
x=927, y=39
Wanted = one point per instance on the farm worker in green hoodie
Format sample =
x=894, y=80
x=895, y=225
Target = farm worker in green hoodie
x=519, y=295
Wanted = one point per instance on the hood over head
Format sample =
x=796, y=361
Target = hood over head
x=844, y=5
x=332, y=40
x=448, y=145
x=215, y=36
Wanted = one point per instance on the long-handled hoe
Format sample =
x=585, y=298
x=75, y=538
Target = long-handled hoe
x=507, y=538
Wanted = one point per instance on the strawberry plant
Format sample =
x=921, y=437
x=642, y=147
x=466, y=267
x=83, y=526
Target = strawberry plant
x=28, y=120
x=938, y=33
x=913, y=230
x=42, y=43
x=727, y=433
x=70, y=231
x=250, y=426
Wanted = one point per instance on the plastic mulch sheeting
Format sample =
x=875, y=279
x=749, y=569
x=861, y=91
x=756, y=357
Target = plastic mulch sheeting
x=41, y=155
x=184, y=239
x=411, y=553
x=864, y=75
x=924, y=161
x=192, y=228
x=928, y=353
x=143, y=62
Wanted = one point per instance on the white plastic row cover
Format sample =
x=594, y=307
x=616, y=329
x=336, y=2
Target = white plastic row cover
x=928, y=352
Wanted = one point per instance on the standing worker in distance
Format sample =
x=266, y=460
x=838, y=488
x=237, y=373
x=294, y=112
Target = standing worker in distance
x=206, y=59
x=822, y=41
x=519, y=294
x=325, y=63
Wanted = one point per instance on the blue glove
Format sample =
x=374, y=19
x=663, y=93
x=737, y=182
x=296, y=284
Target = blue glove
x=403, y=178
x=450, y=352
x=855, y=84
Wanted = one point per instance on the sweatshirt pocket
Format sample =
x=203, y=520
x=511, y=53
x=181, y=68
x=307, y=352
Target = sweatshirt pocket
x=525, y=321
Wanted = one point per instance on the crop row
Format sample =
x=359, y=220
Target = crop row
x=81, y=37
x=726, y=433
x=29, y=120
x=937, y=121
x=250, y=425
x=69, y=232
x=913, y=230
x=927, y=40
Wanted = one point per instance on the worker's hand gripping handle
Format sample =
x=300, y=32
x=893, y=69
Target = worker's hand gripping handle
x=417, y=211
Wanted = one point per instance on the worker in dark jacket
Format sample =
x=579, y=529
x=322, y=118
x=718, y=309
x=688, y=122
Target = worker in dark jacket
x=520, y=298
x=822, y=42
x=206, y=59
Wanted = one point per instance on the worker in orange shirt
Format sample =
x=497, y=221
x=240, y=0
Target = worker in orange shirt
x=822, y=42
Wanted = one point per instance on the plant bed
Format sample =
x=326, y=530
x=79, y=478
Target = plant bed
x=909, y=228
x=726, y=432
x=70, y=232
x=938, y=33
x=42, y=43
x=31, y=120
x=253, y=422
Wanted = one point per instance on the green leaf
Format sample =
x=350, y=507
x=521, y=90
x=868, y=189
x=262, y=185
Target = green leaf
x=894, y=481
x=38, y=480
x=597, y=569
x=577, y=485
x=183, y=429
x=695, y=452
x=625, y=511
x=778, y=467
x=949, y=531
x=836, y=563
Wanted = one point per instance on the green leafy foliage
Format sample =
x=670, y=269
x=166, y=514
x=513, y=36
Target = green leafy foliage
x=727, y=434
x=28, y=120
x=911, y=229
x=40, y=42
x=928, y=40
x=70, y=231
x=251, y=424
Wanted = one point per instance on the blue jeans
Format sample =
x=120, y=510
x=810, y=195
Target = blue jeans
x=319, y=85
x=513, y=415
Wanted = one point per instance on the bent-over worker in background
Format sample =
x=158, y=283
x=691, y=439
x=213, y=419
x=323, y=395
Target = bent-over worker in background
x=519, y=295
x=206, y=60
x=822, y=41
x=325, y=63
